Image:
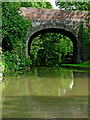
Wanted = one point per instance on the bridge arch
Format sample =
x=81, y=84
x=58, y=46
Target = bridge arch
x=57, y=28
x=65, y=21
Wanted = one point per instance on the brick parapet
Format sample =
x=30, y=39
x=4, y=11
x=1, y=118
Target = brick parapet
x=41, y=15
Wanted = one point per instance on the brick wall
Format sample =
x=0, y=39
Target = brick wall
x=42, y=15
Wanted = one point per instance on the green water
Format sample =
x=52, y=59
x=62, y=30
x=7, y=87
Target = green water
x=46, y=93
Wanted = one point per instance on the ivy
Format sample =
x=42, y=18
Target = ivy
x=83, y=36
x=14, y=32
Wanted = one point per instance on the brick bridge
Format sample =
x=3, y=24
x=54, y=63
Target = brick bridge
x=49, y=20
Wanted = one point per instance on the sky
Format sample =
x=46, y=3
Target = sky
x=53, y=4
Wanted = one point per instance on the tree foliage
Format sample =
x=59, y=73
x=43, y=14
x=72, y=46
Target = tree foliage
x=37, y=4
x=83, y=36
x=48, y=48
x=83, y=6
x=14, y=32
x=73, y=5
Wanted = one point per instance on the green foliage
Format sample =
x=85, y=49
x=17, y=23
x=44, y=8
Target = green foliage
x=83, y=36
x=84, y=6
x=37, y=4
x=14, y=32
x=85, y=64
x=48, y=48
x=14, y=26
x=14, y=62
x=73, y=5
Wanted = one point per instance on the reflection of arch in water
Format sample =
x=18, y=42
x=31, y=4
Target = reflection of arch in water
x=65, y=91
x=57, y=105
x=71, y=85
x=80, y=86
x=52, y=82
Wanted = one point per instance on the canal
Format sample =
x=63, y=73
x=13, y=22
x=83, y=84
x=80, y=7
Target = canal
x=46, y=93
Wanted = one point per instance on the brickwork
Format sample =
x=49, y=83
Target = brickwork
x=41, y=15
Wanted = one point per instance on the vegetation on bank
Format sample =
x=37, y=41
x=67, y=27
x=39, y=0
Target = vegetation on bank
x=14, y=32
x=80, y=65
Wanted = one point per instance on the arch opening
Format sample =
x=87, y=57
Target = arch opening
x=60, y=31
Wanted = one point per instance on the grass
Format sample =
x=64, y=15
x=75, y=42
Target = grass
x=85, y=64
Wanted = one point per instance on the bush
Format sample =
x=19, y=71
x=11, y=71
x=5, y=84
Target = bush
x=83, y=36
x=14, y=33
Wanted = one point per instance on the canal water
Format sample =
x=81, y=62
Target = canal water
x=46, y=93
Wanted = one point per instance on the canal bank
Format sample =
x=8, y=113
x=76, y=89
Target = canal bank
x=82, y=65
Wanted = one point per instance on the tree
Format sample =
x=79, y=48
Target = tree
x=36, y=5
x=73, y=5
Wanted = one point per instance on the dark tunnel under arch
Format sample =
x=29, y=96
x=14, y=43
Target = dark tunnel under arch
x=57, y=30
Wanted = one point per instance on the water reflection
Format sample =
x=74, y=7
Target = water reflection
x=52, y=82
x=47, y=92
